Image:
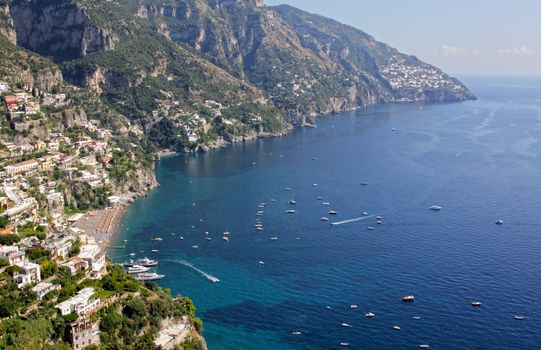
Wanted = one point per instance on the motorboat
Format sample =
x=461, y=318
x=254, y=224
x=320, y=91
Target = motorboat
x=408, y=298
x=353, y=306
x=152, y=276
x=416, y=317
x=364, y=183
x=347, y=325
x=343, y=344
x=159, y=239
x=396, y=328
x=296, y=333
x=146, y=262
x=181, y=238
x=499, y=222
x=319, y=198
x=424, y=346
x=365, y=213
x=225, y=238
x=436, y=208
x=208, y=239
x=518, y=317
x=261, y=262
x=379, y=218
x=195, y=246
x=292, y=201
x=327, y=204
x=370, y=315
x=324, y=218
x=476, y=304
x=291, y=211
x=332, y=212
x=274, y=238
x=370, y=228
x=155, y=251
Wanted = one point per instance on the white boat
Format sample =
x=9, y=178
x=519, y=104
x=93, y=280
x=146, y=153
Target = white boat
x=296, y=333
x=159, y=239
x=379, y=218
x=396, y=328
x=132, y=254
x=344, y=344
x=416, y=317
x=476, y=304
x=332, y=212
x=365, y=213
x=353, y=306
x=292, y=201
x=324, y=218
x=225, y=238
x=499, y=222
x=319, y=198
x=518, y=317
x=327, y=204
x=393, y=129
x=408, y=298
x=436, y=208
x=261, y=262
x=274, y=238
x=155, y=251
x=208, y=238
x=148, y=276
x=288, y=189
x=370, y=315
x=379, y=222
x=347, y=325
x=314, y=185
x=227, y=233
x=370, y=228
x=137, y=269
x=291, y=211
x=424, y=346
x=262, y=205
x=195, y=246
x=259, y=228
x=181, y=238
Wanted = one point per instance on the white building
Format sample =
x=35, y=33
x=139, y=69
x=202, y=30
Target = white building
x=81, y=304
x=43, y=288
x=94, y=258
x=30, y=273
x=11, y=254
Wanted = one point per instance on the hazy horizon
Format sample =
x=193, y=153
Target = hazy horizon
x=463, y=38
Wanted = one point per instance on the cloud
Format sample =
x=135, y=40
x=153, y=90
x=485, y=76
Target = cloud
x=522, y=50
x=449, y=50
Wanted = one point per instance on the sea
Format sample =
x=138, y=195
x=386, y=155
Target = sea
x=479, y=160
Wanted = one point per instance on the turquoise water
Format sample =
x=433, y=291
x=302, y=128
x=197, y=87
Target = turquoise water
x=479, y=160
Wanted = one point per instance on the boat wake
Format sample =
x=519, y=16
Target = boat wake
x=351, y=220
x=201, y=272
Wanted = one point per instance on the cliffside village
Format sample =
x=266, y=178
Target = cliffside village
x=33, y=206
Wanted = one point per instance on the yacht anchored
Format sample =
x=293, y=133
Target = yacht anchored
x=137, y=269
x=152, y=276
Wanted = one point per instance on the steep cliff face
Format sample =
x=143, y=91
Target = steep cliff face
x=58, y=29
x=6, y=24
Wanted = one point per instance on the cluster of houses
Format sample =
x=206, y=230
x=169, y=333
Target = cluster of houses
x=402, y=75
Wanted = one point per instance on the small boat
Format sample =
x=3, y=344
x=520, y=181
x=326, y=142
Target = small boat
x=332, y=212
x=319, y=198
x=181, y=238
x=364, y=183
x=159, y=239
x=146, y=262
x=343, y=344
x=314, y=185
x=327, y=307
x=155, y=251
x=137, y=269
x=327, y=204
x=148, y=276
x=370, y=315
x=262, y=205
x=292, y=201
x=195, y=246
x=225, y=238
x=259, y=213
x=353, y=306
x=288, y=189
x=347, y=325
x=296, y=333
x=396, y=328
x=273, y=200
x=291, y=211
x=125, y=241
x=436, y=208
x=476, y=304
x=424, y=346
x=132, y=254
x=499, y=222
x=518, y=317
x=261, y=262
x=416, y=317
x=226, y=233
x=393, y=129
x=274, y=238
x=259, y=228
x=324, y=218
x=379, y=222
x=365, y=213
x=314, y=158
x=370, y=228
x=408, y=298
x=208, y=239
x=379, y=218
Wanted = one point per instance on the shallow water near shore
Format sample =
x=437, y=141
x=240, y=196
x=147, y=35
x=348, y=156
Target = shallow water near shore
x=479, y=160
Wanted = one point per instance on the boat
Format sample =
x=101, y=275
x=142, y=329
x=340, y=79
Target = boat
x=476, y=304
x=518, y=317
x=424, y=346
x=274, y=238
x=416, y=317
x=155, y=251
x=261, y=262
x=436, y=208
x=152, y=276
x=227, y=233
x=291, y=211
x=262, y=205
x=259, y=228
x=353, y=306
x=288, y=189
x=159, y=239
x=365, y=213
x=125, y=241
x=181, y=238
x=319, y=198
x=324, y=218
x=347, y=325
x=332, y=212
x=314, y=185
x=393, y=129
x=379, y=222
x=396, y=328
x=259, y=213
x=499, y=222
x=327, y=204
x=364, y=183
x=225, y=238
x=379, y=218
x=370, y=228
x=137, y=269
x=195, y=246
x=408, y=298
x=296, y=333
x=146, y=262
x=118, y=247
x=292, y=201
x=208, y=239
x=132, y=254
x=370, y=315
x=344, y=344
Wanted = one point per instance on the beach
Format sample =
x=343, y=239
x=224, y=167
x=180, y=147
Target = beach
x=101, y=225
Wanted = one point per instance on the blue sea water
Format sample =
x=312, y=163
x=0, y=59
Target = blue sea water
x=479, y=160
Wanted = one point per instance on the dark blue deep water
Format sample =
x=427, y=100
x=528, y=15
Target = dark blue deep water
x=479, y=160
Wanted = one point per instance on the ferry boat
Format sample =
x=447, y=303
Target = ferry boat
x=137, y=269
x=152, y=276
